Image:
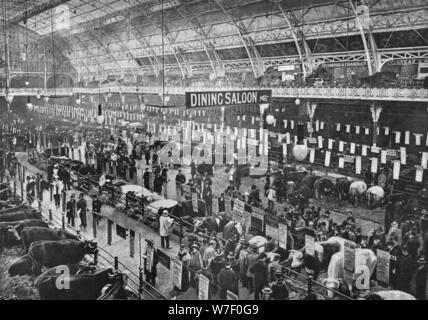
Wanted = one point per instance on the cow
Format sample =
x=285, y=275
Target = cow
x=21, y=267
x=336, y=267
x=212, y=223
x=72, y=269
x=323, y=188
x=18, y=216
x=323, y=253
x=356, y=190
x=15, y=227
x=53, y=253
x=231, y=229
x=342, y=187
x=117, y=291
x=375, y=195
x=301, y=197
x=389, y=295
x=80, y=287
x=258, y=242
x=20, y=208
x=308, y=181
x=33, y=234
x=8, y=236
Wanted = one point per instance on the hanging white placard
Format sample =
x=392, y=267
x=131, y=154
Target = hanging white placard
x=358, y=164
x=403, y=156
x=364, y=150
x=386, y=131
x=396, y=170
x=312, y=156
x=419, y=173
x=424, y=160
x=374, y=165
x=320, y=139
x=357, y=129
x=348, y=128
x=407, y=137
x=383, y=156
x=330, y=144
x=352, y=148
x=327, y=158
x=341, y=146
x=341, y=162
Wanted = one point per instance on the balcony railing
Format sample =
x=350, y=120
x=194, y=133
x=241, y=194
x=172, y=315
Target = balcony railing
x=388, y=94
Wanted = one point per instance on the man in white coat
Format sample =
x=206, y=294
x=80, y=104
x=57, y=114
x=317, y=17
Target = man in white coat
x=165, y=228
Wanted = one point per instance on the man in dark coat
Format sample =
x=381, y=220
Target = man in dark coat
x=193, y=169
x=260, y=271
x=96, y=209
x=71, y=210
x=208, y=198
x=217, y=263
x=421, y=279
x=227, y=280
x=151, y=259
x=395, y=252
x=180, y=177
x=158, y=184
x=81, y=210
x=146, y=179
x=147, y=155
x=406, y=267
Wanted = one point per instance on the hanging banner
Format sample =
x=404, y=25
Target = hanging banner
x=327, y=158
x=358, y=164
x=341, y=162
x=424, y=160
x=310, y=242
x=403, y=156
x=226, y=98
x=204, y=285
x=382, y=266
x=349, y=256
x=374, y=165
x=177, y=270
x=312, y=156
x=282, y=231
x=419, y=173
x=238, y=210
x=396, y=170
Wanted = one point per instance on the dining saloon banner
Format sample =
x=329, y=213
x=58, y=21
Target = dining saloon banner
x=226, y=98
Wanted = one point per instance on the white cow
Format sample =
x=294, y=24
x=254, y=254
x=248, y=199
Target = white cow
x=356, y=190
x=375, y=194
x=336, y=268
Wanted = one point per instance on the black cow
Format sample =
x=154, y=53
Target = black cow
x=22, y=215
x=33, y=234
x=308, y=181
x=22, y=266
x=8, y=235
x=20, y=208
x=53, y=253
x=117, y=291
x=81, y=287
x=72, y=269
x=342, y=188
